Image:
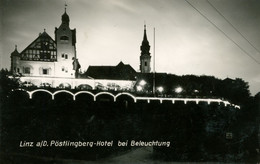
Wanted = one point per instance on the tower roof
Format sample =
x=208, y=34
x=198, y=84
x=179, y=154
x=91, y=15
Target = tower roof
x=65, y=17
x=15, y=52
x=145, y=47
x=145, y=36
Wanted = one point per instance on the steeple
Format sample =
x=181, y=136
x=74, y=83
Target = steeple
x=145, y=47
x=145, y=58
x=65, y=18
x=145, y=37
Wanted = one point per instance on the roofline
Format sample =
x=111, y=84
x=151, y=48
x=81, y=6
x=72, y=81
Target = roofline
x=35, y=40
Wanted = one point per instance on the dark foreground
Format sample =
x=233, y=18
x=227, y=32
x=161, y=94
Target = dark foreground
x=197, y=133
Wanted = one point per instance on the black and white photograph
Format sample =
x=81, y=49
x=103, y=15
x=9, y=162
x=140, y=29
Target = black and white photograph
x=129, y=81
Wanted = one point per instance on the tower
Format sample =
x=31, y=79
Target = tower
x=145, y=58
x=66, y=48
x=15, y=57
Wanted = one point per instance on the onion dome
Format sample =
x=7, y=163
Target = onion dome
x=65, y=18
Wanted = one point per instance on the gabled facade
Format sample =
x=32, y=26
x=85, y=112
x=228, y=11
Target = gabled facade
x=37, y=59
x=46, y=57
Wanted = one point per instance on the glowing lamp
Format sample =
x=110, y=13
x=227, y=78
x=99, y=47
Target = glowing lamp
x=178, y=89
x=139, y=88
x=160, y=89
x=142, y=82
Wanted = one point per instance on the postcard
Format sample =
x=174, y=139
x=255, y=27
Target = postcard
x=129, y=81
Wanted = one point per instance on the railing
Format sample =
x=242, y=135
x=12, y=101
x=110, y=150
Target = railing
x=135, y=98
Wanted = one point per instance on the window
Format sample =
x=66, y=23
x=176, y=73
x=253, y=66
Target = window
x=65, y=38
x=64, y=56
x=27, y=70
x=45, y=71
x=45, y=55
x=145, y=63
x=64, y=69
x=18, y=70
x=45, y=45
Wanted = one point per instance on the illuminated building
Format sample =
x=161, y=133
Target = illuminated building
x=46, y=57
x=48, y=62
x=119, y=77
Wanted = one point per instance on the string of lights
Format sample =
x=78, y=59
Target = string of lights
x=242, y=49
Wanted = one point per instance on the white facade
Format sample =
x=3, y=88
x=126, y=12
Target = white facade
x=56, y=82
x=66, y=49
x=53, y=63
x=43, y=69
x=46, y=57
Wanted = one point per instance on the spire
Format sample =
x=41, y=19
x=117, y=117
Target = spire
x=65, y=18
x=145, y=47
x=145, y=37
x=65, y=6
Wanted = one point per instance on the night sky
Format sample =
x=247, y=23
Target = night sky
x=110, y=31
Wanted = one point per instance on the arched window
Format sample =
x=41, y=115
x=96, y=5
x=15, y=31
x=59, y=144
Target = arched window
x=65, y=85
x=65, y=38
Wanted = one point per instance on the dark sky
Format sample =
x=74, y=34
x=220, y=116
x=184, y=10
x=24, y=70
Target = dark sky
x=110, y=31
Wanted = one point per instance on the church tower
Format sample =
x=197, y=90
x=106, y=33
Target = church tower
x=66, y=48
x=145, y=58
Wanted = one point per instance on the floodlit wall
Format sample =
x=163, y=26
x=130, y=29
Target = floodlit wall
x=101, y=84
